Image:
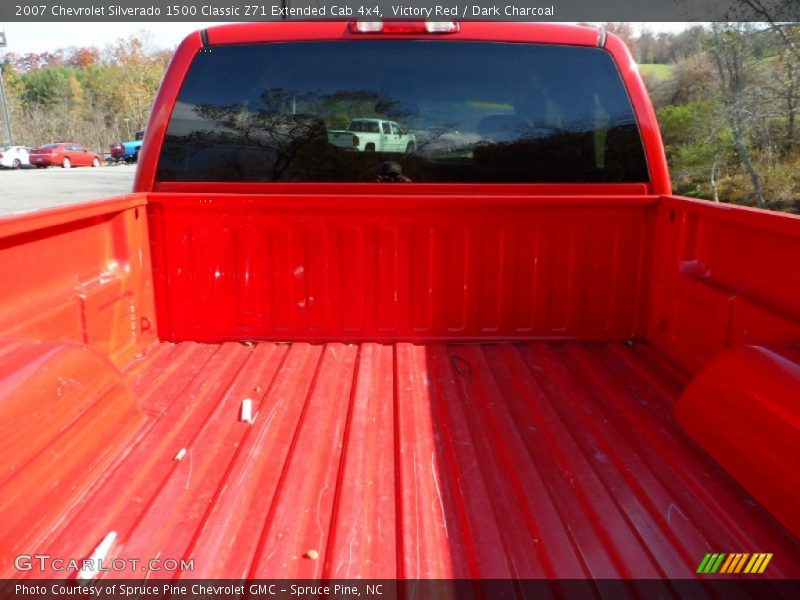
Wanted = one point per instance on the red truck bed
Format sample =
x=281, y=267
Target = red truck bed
x=533, y=459
x=426, y=458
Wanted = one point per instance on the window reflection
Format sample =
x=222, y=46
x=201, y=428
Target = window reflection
x=441, y=111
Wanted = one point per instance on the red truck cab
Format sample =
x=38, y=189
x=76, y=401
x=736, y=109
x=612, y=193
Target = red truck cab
x=530, y=360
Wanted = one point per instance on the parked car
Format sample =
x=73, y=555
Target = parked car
x=14, y=157
x=64, y=154
x=127, y=151
x=374, y=135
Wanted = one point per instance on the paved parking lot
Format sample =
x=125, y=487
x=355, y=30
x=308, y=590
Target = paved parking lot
x=33, y=189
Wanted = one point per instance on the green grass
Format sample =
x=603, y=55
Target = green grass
x=656, y=70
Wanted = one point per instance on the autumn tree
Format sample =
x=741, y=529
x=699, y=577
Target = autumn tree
x=84, y=57
x=82, y=93
x=733, y=53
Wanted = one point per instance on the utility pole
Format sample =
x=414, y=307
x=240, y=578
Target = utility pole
x=4, y=113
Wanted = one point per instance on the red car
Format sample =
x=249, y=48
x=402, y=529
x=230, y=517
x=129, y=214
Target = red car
x=65, y=154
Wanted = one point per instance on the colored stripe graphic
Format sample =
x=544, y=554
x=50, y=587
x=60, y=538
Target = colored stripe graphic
x=763, y=566
x=733, y=563
x=711, y=562
x=738, y=563
x=737, y=558
x=741, y=562
x=756, y=558
x=702, y=567
x=717, y=563
x=726, y=565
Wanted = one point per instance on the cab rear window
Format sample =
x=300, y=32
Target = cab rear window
x=438, y=111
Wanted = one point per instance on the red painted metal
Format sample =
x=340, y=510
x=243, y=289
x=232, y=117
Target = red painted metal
x=439, y=189
x=383, y=267
x=723, y=275
x=493, y=460
x=65, y=415
x=645, y=115
x=80, y=273
x=742, y=409
x=162, y=111
x=543, y=33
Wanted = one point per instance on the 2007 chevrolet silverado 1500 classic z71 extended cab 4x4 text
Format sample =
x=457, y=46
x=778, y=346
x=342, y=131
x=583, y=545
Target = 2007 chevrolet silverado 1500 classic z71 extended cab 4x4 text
x=531, y=360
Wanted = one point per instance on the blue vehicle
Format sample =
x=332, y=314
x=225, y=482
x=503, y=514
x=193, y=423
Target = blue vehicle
x=127, y=151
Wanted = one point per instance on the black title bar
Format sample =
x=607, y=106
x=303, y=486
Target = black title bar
x=395, y=589
x=504, y=10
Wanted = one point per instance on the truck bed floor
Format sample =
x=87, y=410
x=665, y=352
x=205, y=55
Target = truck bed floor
x=439, y=460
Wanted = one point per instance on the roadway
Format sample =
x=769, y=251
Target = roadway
x=25, y=190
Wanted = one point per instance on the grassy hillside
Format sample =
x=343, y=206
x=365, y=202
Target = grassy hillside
x=657, y=71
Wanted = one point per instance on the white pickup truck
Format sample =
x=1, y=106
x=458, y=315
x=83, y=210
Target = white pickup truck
x=374, y=135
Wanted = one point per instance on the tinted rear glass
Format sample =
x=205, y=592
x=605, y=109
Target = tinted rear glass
x=467, y=112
